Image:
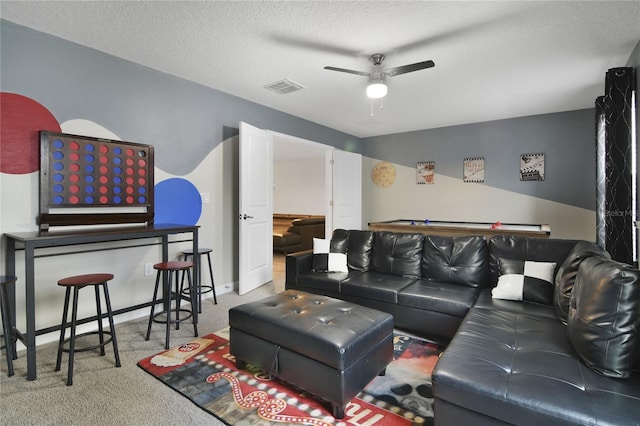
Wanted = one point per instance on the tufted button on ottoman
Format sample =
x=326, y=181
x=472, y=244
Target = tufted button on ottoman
x=328, y=347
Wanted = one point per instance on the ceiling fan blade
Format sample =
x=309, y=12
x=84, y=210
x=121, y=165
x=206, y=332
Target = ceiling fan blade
x=391, y=72
x=366, y=74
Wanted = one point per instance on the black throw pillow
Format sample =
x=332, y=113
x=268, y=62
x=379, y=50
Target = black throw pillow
x=604, y=315
x=526, y=281
x=566, y=276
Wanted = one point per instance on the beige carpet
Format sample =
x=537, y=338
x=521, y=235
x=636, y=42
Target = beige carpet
x=105, y=395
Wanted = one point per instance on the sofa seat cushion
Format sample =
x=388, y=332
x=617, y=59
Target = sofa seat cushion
x=521, y=369
x=445, y=298
x=325, y=282
x=372, y=285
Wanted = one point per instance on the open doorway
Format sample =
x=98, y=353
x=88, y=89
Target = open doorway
x=299, y=186
x=337, y=198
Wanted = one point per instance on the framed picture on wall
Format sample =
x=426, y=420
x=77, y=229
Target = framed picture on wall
x=425, y=172
x=531, y=167
x=473, y=169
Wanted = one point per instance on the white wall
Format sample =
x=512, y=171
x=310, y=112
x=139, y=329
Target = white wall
x=216, y=175
x=298, y=186
x=452, y=199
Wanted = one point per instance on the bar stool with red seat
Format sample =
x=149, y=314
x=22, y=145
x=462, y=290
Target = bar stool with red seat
x=8, y=330
x=164, y=316
x=201, y=289
x=76, y=283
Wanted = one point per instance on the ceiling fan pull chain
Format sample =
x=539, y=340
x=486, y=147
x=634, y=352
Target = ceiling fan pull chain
x=371, y=99
x=381, y=103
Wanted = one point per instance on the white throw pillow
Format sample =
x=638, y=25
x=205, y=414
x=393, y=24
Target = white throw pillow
x=534, y=285
x=324, y=260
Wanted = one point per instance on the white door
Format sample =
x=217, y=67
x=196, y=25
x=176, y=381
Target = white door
x=344, y=193
x=256, y=208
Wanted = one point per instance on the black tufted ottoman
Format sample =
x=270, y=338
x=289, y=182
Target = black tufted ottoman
x=328, y=347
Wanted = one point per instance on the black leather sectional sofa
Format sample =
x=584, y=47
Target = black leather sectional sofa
x=567, y=362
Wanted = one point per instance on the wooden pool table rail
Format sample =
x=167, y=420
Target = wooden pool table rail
x=543, y=231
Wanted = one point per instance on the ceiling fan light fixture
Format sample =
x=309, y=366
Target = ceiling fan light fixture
x=376, y=89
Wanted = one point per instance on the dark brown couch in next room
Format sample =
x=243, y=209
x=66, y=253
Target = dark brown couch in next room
x=295, y=232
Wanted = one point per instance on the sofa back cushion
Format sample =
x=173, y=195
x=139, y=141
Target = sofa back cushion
x=397, y=253
x=566, y=277
x=604, y=315
x=456, y=260
x=526, y=248
x=356, y=244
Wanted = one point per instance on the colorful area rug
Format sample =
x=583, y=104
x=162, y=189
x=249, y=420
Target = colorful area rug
x=205, y=372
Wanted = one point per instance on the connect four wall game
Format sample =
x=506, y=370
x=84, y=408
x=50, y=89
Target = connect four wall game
x=88, y=181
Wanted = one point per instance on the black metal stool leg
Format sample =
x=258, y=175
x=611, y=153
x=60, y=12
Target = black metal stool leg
x=65, y=312
x=72, y=339
x=193, y=303
x=153, y=304
x=111, y=325
x=167, y=302
x=7, y=330
x=99, y=312
x=213, y=286
x=178, y=297
x=197, y=287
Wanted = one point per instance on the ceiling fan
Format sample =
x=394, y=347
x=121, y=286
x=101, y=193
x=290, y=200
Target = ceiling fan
x=377, y=87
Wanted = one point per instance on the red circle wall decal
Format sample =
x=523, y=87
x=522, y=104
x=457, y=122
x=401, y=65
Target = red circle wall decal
x=21, y=119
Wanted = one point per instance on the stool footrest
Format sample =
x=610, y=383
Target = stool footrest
x=203, y=289
x=172, y=321
x=88, y=348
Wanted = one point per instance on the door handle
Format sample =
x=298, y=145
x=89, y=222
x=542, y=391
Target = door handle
x=245, y=217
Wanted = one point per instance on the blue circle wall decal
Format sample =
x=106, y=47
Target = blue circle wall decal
x=177, y=201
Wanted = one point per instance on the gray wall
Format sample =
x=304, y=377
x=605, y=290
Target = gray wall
x=567, y=140
x=193, y=129
x=139, y=104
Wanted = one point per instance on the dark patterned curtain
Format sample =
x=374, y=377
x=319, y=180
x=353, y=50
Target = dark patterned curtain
x=616, y=152
x=601, y=135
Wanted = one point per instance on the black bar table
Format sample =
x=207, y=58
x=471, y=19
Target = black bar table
x=31, y=241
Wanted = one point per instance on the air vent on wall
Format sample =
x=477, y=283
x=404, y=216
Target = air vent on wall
x=284, y=86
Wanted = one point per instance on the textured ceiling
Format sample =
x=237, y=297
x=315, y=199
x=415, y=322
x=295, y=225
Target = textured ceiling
x=493, y=60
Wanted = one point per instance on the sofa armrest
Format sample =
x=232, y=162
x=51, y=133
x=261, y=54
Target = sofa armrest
x=297, y=264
